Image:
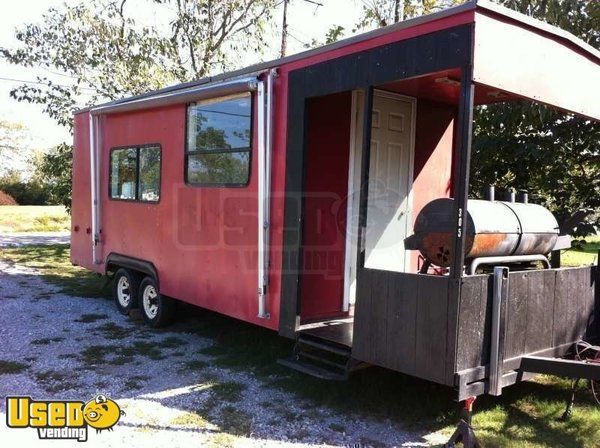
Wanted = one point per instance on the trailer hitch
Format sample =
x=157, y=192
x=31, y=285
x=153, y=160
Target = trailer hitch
x=585, y=365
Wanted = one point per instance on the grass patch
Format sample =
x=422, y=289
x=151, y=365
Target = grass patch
x=112, y=331
x=47, y=341
x=190, y=420
x=55, y=267
x=172, y=342
x=134, y=382
x=11, y=367
x=147, y=349
x=54, y=381
x=235, y=422
x=195, y=364
x=95, y=354
x=585, y=254
x=34, y=218
x=337, y=427
x=230, y=391
x=90, y=318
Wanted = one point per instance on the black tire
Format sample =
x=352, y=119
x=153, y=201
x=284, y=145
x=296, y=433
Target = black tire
x=156, y=309
x=126, y=283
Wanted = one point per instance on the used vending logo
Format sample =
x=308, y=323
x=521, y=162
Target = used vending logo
x=61, y=419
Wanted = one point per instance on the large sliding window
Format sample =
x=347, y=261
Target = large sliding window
x=219, y=138
x=135, y=173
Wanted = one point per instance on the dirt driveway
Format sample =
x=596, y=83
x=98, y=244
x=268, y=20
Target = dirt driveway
x=56, y=346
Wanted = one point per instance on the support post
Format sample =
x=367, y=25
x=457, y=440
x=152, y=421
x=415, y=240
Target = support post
x=364, y=184
x=500, y=290
x=461, y=172
x=464, y=431
x=555, y=259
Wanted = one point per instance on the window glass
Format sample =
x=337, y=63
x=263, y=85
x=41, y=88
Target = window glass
x=123, y=171
x=219, y=140
x=220, y=168
x=135, y=173
x=149, y=189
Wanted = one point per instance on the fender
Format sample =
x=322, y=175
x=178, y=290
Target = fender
x=114, y=261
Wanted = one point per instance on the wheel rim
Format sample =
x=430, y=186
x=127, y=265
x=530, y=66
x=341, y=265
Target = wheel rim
x=123, y=292
x=150, y=301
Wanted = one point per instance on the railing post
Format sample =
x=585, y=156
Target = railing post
x=500, y=294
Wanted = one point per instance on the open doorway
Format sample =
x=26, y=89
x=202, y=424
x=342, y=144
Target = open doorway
x=332, y=184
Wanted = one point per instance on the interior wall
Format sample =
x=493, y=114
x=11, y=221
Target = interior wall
x=325, y=185
x=434, y=143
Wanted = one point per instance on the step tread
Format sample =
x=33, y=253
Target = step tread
x=319, y=359
x=324, y=345
x=312, y=369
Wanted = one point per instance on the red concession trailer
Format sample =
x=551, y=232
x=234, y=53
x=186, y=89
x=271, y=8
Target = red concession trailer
x=282, y=195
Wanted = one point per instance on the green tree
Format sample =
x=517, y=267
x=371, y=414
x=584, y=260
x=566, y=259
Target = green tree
x=380, y=13
x=54, y=171
x=12, y=141
x=107, y=52
x=102, y=46
x=553, y=155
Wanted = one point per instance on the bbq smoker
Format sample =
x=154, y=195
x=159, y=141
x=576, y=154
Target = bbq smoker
x=498, y=232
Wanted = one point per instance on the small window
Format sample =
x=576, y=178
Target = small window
x=218, y=141
x=135, y=173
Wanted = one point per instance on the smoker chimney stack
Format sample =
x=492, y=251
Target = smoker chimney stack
x=524, y=197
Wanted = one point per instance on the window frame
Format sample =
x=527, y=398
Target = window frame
x=249, y=149
x=137, y=172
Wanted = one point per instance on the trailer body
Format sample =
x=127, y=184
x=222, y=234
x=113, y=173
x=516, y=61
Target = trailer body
x=281, y=226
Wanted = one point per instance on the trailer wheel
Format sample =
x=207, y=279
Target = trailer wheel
x=156, y=308
x=125, y=290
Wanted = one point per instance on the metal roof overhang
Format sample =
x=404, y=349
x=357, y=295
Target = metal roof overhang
x=187, y=95
x=536, y=61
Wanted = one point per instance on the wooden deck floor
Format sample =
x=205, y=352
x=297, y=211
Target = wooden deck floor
x=339, y=331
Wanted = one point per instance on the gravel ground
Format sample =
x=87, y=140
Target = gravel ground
x=73, y=348
x=38, y=238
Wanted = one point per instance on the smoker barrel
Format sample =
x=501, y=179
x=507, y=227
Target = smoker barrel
x=494, y=228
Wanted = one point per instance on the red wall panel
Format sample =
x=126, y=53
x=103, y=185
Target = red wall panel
x=434, y=142
x=326, y=188
x=81, y=211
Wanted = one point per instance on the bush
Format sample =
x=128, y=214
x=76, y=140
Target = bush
x=6, y=199
x=30, y=192
x=54, y=170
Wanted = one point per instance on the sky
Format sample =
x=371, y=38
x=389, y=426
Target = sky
x=306, y=22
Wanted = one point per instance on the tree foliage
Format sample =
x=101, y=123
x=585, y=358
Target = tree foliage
x=54, y=171
x=25, y=191
x=12, y=141
x=105, y=50
x=102, y=50
x=380, y=13
x=552, y=154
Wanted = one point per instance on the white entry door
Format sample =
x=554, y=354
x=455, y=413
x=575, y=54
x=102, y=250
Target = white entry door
x=390, y=182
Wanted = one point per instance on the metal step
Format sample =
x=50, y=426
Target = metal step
x=321, y=358
x=312, y=369
x=322, y=344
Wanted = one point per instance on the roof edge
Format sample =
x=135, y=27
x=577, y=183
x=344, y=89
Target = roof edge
x=261, y=66
x=256, y=69
x=538, y=24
